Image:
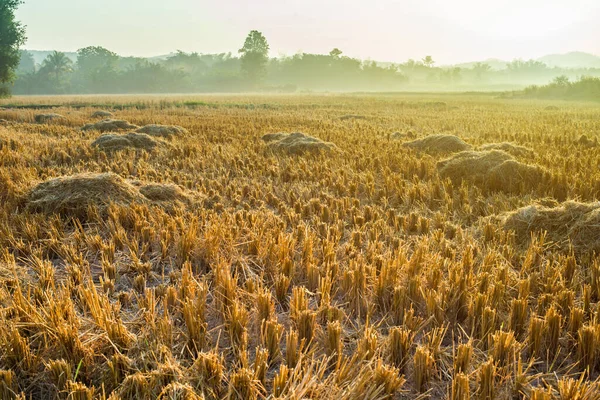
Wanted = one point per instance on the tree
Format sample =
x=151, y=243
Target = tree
x=335, y=53
x=26, y=64
x=428, y=61
x=55, y=66
x=12, y=35
x=96, y=69
x=255, y=55
x=481, y=69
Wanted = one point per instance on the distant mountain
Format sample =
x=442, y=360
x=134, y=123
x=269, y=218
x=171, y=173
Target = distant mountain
x=574, y=59
x=495, y=63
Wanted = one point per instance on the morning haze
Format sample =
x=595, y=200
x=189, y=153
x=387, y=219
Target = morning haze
x=452, y=32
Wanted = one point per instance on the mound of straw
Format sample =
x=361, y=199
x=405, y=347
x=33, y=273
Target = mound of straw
x=102, y=114
x=299, y=143
x=72, y=196
x=45, y=118
x=114, y=142
x=510, y=148
x=439, y=144
x=109, y=125
x=165, y=131
x=568, y=224
x=493, y=170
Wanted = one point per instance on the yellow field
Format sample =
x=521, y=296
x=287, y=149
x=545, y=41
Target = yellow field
x=354, y=273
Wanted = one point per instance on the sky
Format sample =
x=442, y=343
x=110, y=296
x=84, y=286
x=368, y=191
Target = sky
x=383, y=30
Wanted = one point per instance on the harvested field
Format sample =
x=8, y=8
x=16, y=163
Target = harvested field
x=437, y=144
x=218, y=267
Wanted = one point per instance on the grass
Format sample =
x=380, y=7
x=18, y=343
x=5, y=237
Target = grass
x=360, y=273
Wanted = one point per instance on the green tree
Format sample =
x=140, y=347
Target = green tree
x=97, y=68
x=428, y=61
x=335, y=53
x=12, y=35
x=55, y=66
x=26, y=63
x=255, y=55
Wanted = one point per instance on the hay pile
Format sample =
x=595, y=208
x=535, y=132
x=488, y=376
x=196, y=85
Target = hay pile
x=299, y=143
x=73, y=195
x=114, y=142
x=571, y=222
x=109, y=125
x=493, y=170
x=165, y=131
x=584, y=141
x=510, y=148
x=439, y=144
x=102, y=114
x=45, y=118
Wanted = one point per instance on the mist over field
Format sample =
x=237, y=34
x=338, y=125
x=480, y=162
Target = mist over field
x=194, y=47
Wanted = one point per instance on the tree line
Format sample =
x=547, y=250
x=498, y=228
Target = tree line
x=99, y=70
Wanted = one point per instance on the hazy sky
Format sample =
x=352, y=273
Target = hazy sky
x=385, y=30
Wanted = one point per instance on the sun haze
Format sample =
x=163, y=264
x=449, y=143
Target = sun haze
x=385, y=30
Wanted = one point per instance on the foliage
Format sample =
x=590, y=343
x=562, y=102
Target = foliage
x=255, y=55
x=585, y=88
x=12, y=35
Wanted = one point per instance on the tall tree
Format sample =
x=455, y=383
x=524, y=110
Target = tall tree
x=97, y=68
x=56, y=65
x=12, y=35
x=255, y=55
x=428, y=61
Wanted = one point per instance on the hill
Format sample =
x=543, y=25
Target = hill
x=574, y=59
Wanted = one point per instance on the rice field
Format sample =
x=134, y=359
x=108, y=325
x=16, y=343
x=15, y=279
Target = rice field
x=183, y=254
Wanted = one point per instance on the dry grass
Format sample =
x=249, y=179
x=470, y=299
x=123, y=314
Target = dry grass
x=296, y=143
x=212, y=269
